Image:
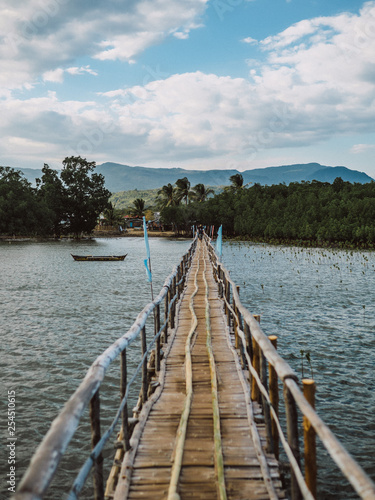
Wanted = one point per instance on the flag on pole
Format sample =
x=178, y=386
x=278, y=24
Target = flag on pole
x=146, y=238
x=219, y=241
x=148, y=272
x=148, y=260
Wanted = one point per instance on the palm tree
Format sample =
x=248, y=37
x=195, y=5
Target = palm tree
x=166, y=196
x=183, y=189
x=139, y=209
x=237, y=181
x=113, y=215
x=201, y=193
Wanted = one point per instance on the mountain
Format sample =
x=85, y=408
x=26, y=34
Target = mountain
x=120, y=177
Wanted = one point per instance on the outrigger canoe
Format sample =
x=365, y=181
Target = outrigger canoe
x=102, y=258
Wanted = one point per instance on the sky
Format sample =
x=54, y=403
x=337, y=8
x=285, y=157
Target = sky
x=196, y=84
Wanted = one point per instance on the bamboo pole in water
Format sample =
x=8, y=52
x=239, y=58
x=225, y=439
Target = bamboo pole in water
x=274, y=397
x=95, y=438
x=310, y=438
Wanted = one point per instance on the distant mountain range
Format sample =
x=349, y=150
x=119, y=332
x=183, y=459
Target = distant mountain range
x=123, y=177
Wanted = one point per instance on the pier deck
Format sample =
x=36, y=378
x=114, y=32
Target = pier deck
x=229, y=463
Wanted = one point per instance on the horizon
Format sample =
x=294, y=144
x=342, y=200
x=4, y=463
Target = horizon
x=189, y=84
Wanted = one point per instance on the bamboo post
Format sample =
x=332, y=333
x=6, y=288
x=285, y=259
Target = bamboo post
x=235, y=322
x=123, y=384
x=228, y=300
x=310, y=439
x=274, y=397
x=255, y=393
x=292, y=433
x=166, y=306
x=219, y=281
x=265, y=407
x=95, y=438
x=157, y=328
x=144, y=367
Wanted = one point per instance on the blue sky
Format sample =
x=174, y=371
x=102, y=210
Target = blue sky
x=197, y=84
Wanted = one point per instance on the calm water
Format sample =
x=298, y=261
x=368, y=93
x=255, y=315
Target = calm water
x=57, y=315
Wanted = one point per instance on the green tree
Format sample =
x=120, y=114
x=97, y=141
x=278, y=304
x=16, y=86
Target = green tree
x=183, y=190
x=201, y=193
x=139, y=208
x=21, y=212
x=236, y=182
x=113, y=215
x=86, y=195
x=52, y=193
x=167, y=196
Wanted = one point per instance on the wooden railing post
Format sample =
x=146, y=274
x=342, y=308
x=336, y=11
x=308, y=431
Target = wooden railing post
x=255, y=393
x=144, y=367
x=157, y=347
x=274, y=398
x=292, y=433
x=95, y=438
x=123, y=384
x=265, y=407
x=166, y=306
x=310, y=439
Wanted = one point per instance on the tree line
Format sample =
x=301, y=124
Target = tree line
x=308, y=212
x=68, y=202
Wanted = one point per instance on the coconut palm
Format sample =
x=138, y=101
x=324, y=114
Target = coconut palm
x=167, y=196
x=113, y=215
x=237, y=181
x=201, y=193
x=183, y=189
x=139, y=209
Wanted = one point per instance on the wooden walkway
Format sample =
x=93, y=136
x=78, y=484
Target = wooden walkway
x=226, y=463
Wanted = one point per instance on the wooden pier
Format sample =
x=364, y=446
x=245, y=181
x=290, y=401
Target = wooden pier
x=197, y=435
x=206, y=425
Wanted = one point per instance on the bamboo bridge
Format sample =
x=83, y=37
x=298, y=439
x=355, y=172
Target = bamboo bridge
x=208, y=423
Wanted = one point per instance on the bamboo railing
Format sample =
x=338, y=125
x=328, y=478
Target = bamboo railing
x=37, y=478
x=266, y=367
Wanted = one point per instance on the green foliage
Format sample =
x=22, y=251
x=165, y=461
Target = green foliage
x=308, y=212
x=139, y=208
x=69, y=204
x=123, y=199
x=21, y=212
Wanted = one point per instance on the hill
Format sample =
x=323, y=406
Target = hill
x=124, y=178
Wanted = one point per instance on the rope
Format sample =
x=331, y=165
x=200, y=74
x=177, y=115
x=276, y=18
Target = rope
x=181, y=432
x=218, y=450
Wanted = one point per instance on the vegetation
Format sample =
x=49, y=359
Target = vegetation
x=310, y=213
x=65, y=204
x=307, y=212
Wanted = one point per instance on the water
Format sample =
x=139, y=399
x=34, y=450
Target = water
x=57, y=315
x=322, y=302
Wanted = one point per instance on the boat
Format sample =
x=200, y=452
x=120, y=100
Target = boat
x=99, y=258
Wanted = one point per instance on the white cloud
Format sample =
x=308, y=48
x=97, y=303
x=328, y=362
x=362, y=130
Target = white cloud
x=250, y=40
x=51, y=34
x=362, y=148
x=317, y=81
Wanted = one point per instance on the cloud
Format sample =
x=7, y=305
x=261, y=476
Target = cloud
x=51, y=34
x=57, y=75
x=315, y=80
x=250, y=40
x=362, y=148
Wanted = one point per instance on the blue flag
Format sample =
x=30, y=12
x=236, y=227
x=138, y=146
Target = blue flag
x=146, y=238
x=219, y=241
